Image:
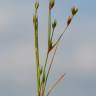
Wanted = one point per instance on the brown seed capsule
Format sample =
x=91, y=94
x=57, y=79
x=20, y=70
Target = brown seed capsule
x=51, y=4
x=54, y=24
x=69, y=20
x=74, y=10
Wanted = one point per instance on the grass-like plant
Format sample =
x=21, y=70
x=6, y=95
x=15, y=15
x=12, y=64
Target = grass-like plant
x=42, y=71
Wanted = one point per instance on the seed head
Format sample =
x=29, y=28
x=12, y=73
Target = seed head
x=74, y=10
x=69, y=20
x=54, y=24
x=51, y=4
x=36, y=5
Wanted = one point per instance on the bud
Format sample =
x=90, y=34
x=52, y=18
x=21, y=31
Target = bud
x=69, y=20
x=51, y=4
x=41, y=70
x=36, y=5
x=54, y=24
x=74, y=10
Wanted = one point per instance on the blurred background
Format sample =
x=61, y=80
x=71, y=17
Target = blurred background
x=76, y=55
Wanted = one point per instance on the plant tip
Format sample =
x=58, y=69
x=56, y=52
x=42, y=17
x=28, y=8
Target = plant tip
x=51, y=4
x=36, y=5
x=74, y=10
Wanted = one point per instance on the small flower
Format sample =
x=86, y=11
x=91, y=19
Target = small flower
x=74, y=10
x=69, y=20
x=54, y=24
x=36, y=5
x=51, y=4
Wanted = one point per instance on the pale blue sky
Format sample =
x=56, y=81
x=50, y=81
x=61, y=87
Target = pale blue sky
x=76, y=55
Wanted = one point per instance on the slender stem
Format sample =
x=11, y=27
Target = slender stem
x=60, y=36
x=46, y=62
x=44, y=73
x=37, y=51
x=49, y=69
x=54, y=85
x=54, y=54
x=52, y=35
x=49, y=27
x=56, y=44
x=49, y=41
x=51, y=64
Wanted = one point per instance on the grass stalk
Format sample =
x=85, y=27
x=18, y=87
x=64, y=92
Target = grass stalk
x=35, y=22
x=43, y=73
x=54, y=84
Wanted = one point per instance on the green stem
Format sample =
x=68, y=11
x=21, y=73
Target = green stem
x=56, y=44
x=37, y=52
x=51, y=64
x=60, y=36
x=44, y=75
x=52, y=35
x=49, y=34
x=49, y=28
x=54, y=84
x=49, y=69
